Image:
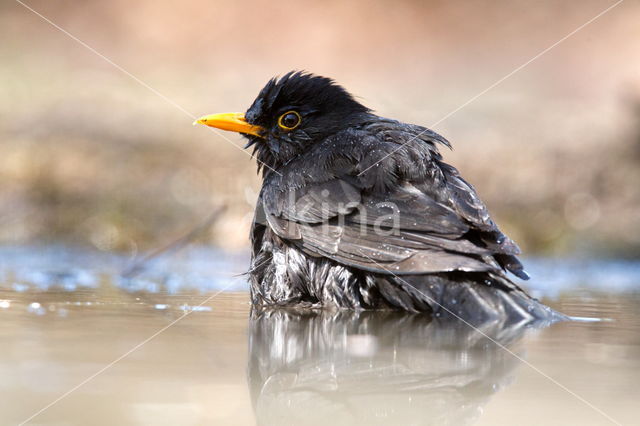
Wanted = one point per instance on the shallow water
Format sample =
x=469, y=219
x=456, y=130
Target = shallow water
x=176, y=344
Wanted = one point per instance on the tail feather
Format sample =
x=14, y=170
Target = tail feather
x=494, y=298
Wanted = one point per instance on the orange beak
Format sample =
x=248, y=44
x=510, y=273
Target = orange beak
x=232, y=121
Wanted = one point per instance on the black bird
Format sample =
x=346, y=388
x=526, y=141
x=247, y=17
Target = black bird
x=359, y=211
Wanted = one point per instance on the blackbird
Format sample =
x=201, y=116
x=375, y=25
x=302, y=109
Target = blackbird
x=359, y=211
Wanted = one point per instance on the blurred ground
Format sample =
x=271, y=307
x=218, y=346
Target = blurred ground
x=88, y=155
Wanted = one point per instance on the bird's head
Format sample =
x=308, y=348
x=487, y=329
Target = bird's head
x=290, y=115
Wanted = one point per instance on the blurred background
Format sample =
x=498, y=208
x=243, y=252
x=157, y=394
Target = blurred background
x=89, y=156
x=100, y=163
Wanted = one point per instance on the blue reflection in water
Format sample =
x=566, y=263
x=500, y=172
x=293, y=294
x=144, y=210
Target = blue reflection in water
x=204, y=269
x=36, y=269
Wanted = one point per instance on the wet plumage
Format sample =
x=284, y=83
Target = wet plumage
x=359, y=211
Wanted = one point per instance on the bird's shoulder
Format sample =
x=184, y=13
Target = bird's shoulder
x=376, y=149
x=378, y=159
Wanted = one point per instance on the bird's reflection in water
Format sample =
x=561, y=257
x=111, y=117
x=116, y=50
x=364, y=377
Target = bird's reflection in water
x=391, y=368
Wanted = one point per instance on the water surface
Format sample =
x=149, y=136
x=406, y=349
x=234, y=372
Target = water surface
x=166, y=347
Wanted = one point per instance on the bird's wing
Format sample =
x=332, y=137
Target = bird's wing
x=404, y=232
x=429, y=220
x=462, y=197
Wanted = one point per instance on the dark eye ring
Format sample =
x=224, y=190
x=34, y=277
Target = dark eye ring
x=289, y=120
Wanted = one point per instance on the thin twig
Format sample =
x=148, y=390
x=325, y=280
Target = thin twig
x=175, y=245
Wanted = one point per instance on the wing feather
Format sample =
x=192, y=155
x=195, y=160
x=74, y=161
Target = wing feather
x=430, y=220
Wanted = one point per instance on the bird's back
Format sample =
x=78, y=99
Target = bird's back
x=373, y=218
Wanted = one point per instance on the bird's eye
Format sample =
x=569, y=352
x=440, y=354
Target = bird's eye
x=289, y=120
